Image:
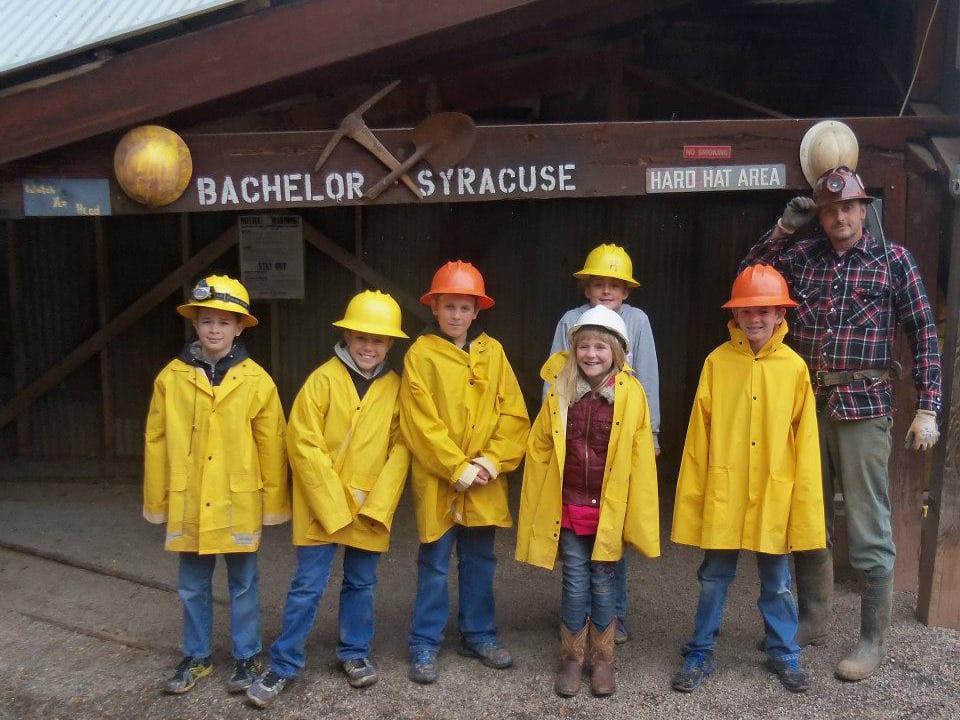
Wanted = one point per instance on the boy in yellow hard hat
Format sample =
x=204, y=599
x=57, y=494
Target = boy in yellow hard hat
x=606, y=279
x=750, y=476
x=215, y=471
x=349, y=469
x=465, y=421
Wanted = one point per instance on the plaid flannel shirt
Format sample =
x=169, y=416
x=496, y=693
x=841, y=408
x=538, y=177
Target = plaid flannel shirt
x=844, y=319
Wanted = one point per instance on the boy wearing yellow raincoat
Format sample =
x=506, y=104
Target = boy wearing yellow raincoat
x=750, y=476
x=589, y=489
x=464, y=419
x=215, y=471
x=349, y=469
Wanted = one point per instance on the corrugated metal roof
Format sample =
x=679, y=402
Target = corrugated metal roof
x=39, y=30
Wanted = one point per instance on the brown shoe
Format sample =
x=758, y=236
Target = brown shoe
x=572, y=651
x=603, y=680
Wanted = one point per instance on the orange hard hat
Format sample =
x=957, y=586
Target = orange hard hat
x=839, y=184
x=458, y=278
x=759, y=286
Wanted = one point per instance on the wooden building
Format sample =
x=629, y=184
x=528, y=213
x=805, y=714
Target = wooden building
x=671, y=128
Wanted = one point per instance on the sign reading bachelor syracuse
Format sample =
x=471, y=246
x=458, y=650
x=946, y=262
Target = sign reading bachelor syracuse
x=459, y=183
x=716, y=178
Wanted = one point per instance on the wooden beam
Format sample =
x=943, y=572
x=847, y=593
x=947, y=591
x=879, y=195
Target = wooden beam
x=217, y=62
x=17, y=335
x=700, y=95
x=610, y=159
x=99, y=340
x=327, y=246
x=938, y=602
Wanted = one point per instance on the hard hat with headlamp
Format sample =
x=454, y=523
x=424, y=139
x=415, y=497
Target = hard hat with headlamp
x=219, y=292
x=838, y=185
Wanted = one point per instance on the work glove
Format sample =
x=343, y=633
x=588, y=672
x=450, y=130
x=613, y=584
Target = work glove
x=923, y=433
x=796, y=214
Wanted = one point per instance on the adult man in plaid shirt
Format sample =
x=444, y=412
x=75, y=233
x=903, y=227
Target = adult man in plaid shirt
x=853, y=291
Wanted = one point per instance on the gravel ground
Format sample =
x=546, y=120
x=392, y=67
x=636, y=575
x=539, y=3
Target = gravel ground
x=90, y=625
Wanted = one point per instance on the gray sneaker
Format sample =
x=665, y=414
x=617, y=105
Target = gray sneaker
x=360, y=673
x=491, y=653
x=423, y=667
x=264, y=690
x=244, y=673
x=186, y=675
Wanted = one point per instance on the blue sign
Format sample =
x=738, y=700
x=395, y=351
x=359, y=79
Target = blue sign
x=66, y=196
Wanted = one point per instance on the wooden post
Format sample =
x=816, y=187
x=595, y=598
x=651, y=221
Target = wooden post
x=938, y=602
x=103, y=317
x=16, y=331
x=358, y=243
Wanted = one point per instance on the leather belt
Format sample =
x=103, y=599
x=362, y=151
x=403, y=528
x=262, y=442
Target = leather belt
x=824, y=378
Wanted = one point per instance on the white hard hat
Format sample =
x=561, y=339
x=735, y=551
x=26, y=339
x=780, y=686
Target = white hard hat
x=827, y=145
x=602, y=316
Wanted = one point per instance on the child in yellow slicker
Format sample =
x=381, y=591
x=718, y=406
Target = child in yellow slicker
x=750, y=476
x=589, y=488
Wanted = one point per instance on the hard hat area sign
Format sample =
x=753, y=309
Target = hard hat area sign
x=271, y=256
x=714, y=178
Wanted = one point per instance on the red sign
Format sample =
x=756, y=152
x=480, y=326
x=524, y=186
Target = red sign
x=707, y=152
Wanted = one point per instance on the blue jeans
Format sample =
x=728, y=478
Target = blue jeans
x=776, y=602
x=589, y=588
x=854, y=456
x=476, y=564
x=288, y=652
x=620, y=586
x=195, y=587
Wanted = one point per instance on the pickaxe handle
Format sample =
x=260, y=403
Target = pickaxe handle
x=374, y=192
x=365, y=137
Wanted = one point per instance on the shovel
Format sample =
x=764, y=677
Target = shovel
x=443, y=140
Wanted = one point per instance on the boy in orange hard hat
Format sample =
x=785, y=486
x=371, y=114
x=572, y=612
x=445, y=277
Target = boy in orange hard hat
x=349, y=468
x=750, y=476
x=606, y=279
x=465, y=421
x=215, y=471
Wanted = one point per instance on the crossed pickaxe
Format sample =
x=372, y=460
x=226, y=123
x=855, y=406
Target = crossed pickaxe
x=353, y=126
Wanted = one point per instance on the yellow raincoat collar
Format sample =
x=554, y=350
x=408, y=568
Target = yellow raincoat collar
x=739, y=339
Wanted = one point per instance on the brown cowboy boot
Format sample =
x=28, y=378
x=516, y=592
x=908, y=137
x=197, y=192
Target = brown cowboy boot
x=572, y=650
x=603, y=681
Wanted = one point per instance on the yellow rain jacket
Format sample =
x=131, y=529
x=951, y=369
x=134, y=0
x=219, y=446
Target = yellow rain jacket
x=629, y=510
x=457, y=406
x=215, y=465
x=349, y=464
x=750, y=474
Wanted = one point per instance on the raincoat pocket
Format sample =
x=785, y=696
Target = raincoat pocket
x=246, y=503
x=177, y=504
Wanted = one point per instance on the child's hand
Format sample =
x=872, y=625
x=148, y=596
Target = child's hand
x=483, y=477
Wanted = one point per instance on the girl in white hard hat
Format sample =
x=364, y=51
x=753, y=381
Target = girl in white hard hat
x=216, y=472
x=589, y=488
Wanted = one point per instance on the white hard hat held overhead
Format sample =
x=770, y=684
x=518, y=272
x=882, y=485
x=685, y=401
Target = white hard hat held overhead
x=826, y=145
x=602, y=316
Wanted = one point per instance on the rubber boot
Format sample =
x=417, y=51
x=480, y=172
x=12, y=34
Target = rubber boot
x=874, y=621
x=572, y=651
x=814, y=575
x=602, y=680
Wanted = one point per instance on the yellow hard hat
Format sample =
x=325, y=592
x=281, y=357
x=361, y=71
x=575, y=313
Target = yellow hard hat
x=827, y=145
x=373, y=312
x=609, y=261
x=221, y=293
x=152, y=165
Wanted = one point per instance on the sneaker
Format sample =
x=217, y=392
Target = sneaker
x=360, y=673
x=490, y=652
x=696, y=668
x=423, y=667
x=622, y=634
x=793, y=677
x=187, y=673
x=244, y=673
x=264, y=690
